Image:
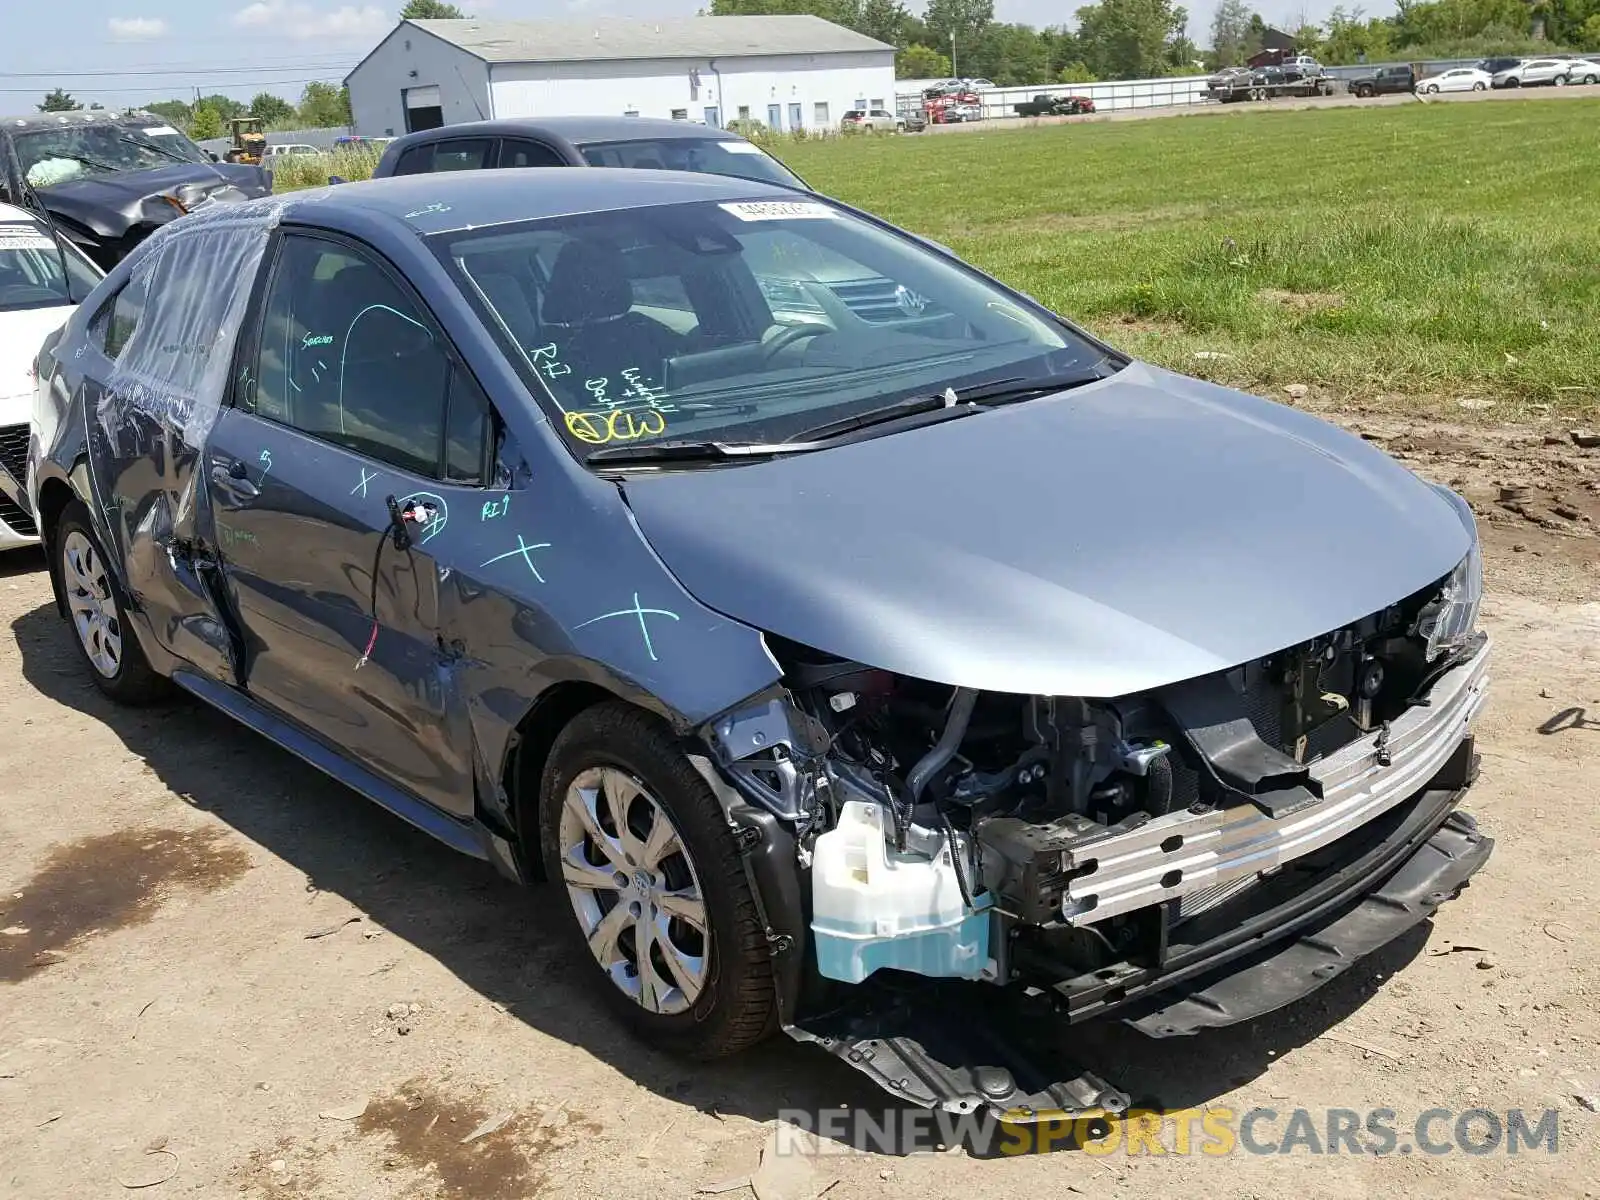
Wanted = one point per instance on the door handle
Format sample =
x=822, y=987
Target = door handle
x=234, y=479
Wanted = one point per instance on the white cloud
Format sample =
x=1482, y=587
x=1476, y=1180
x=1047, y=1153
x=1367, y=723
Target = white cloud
x=136, y=29
x=290, y=18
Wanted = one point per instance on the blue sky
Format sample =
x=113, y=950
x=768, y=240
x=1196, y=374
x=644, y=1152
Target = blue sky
x=123, y=52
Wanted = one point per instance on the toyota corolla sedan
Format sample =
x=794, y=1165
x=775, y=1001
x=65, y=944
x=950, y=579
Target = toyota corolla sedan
x=869, y=682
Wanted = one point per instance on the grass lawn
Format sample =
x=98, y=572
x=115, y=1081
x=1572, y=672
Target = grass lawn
x=1437, y=251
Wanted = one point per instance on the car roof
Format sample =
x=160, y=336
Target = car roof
x=580, y=129
x=455, y=200
x=30, y=121
x=10, y=213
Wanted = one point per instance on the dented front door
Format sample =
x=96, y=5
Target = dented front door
x=341, y=628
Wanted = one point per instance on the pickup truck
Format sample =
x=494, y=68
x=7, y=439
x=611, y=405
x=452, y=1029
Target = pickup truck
x=1045, y=105
x=1384, y=80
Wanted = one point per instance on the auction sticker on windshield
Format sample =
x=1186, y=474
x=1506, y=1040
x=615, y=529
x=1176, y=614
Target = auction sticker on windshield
x=739, y=148
x=159, y=131
x=778, y=210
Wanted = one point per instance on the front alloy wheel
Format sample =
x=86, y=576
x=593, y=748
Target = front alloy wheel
x=634, y=890
x=656, y=885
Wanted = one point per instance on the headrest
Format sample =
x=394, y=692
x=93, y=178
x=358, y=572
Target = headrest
x=588, y=283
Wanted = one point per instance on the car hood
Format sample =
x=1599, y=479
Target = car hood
x=21, y=335
x=109, y=204
x=1118, y=537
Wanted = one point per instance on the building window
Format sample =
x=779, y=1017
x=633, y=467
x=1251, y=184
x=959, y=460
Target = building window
x=795, y=120
x=878, y=104
x=744, y=112
x=819, y=113
x=630, y=112
x=680, y=114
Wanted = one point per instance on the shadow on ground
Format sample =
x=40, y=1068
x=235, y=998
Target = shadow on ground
x=501, y=940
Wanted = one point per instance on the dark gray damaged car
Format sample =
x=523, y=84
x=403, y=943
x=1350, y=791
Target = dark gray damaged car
x=857, y=648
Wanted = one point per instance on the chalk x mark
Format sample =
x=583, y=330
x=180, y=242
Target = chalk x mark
x=366, y=478
x=640, y=614
x=524, y=549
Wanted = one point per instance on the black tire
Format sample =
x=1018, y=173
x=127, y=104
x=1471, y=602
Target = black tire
x=1560, y=81
x=737, y=1005
x=132, y=681
x=1432, y=89
x=1479, y=86
x=1364, y=93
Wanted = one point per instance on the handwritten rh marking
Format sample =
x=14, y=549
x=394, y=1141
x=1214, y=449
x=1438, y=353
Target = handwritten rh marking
x=265, y=459
x=640, y=613
x=435, y=207
x=496, y=508
x=526, y=551
x=366, y=478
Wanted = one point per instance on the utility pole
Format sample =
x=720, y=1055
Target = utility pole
x=953, y=72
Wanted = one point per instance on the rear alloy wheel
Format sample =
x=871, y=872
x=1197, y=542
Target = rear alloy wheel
x=95, y=608
x=1560, y=81
x=1479, y=86
x=1589, y=80
x=655, y=884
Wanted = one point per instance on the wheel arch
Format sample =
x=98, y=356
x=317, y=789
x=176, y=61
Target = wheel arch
x=528, y=749
x=55, y=494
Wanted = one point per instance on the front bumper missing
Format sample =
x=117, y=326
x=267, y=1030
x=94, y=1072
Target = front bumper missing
x=1182, y=853
x=960, y=1047
x=1436, y=871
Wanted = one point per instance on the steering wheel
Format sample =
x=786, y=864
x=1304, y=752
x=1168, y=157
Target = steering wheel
x=790, y=335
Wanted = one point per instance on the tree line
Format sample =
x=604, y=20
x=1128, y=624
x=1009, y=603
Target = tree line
x=322, y=105
x=1144, y=39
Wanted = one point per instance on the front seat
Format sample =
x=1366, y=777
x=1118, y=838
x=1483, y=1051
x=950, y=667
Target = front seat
x=588, y=313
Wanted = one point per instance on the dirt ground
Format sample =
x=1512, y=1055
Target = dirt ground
x=223, y=975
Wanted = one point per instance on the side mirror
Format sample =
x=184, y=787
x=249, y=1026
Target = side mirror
x=212, y=155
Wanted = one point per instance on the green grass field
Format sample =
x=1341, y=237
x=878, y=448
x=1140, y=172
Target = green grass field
x=1432, y=251
x=1424, y=253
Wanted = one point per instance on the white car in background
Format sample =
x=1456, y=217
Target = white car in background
x=1531, y=72
x=42, y=279
x=1583, y=70
x=1461, y=79
x=285, y=149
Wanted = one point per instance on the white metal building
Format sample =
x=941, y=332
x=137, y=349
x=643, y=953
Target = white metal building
x=789, y=72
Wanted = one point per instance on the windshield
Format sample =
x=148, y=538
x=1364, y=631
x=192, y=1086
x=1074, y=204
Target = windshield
x=64, y=152
x=746, y=321
x=709, y=156
x=30, y=269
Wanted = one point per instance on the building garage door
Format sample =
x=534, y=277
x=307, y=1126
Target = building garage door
x=424, y=109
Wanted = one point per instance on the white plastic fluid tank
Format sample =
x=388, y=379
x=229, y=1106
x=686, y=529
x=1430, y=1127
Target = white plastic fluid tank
x=873, y=906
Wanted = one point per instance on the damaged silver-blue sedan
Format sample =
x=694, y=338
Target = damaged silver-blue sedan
x=857, y=648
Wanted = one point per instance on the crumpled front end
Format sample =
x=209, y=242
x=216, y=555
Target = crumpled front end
x=1244, y=835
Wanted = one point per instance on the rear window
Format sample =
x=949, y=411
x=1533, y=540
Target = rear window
x=709, y=156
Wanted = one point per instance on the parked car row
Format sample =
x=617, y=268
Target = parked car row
x=1550, y=71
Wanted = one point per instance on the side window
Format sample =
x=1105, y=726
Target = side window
x=515, y=153
x=345, y=356
x=120, y=317
x=467, y=430
x=461, y=156
x=416, y=161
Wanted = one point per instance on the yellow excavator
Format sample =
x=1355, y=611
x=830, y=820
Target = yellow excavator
x=249, y=142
